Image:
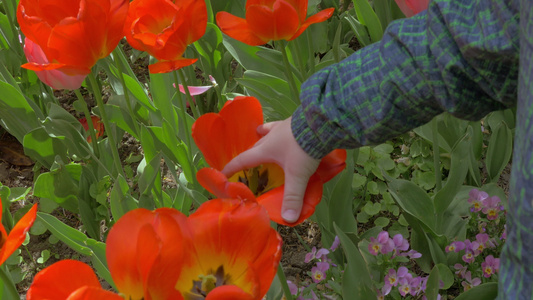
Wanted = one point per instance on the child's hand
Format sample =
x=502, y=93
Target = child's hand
x=279, y=146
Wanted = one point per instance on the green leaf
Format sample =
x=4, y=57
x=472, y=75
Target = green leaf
x=432, y=288
x=68, y=235
x=458, y=170
x=484, y=291
x=60, y=185
x=360, y=31
x=499, y=151
x=341, y=201
x=120, y=200
x=356, y=281
x=40, y=146
x=247, y=56
x=367, y=16
x=372, y=208
x=273, y=93
x=413, y=200
x=382, y=222
x=16, y=115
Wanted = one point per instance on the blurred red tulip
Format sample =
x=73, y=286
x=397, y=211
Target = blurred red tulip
x=97, y=125
x=10, y=243
x=412, y=7
x=270, y=20
x=224, y=250
x=68, y=279
x=222, y=136
x=73, y=35
x=164, y=29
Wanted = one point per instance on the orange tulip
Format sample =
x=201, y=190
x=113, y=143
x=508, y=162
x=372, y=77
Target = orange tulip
x=74, y=34
x=224, y=250
x=68, y=279
x=164, y=28
x=222, y=136
x=270, y=20
x=10, y=243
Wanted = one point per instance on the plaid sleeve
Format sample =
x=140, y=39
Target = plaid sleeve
x=459, y=56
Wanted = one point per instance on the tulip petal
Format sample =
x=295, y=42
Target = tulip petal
x=273, y=200
x=238, y=29
x=169, y=66
x=321, y=16
x=279, y=22
x=331, y=165
x=61, y=279
x=91, y=293
x=139, y=244
x=18, y=234
x=228, y=292
x=195, y=90
x=217, y=184
x=233, y=130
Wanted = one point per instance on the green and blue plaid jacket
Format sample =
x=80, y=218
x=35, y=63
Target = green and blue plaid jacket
x=460, y=57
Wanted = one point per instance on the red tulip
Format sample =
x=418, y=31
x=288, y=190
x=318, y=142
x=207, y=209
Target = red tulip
x=224, y=250
x=54, y=78
x=412, y=7
x=73, y=35
x=164, y=28
x=268, y=20
x=222, y=136
x=97, y=125
x=68, y=279
x=10, y=243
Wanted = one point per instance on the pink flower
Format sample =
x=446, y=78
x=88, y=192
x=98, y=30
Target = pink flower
x=491, y=207
x=476, y=198
x=392, y=278
x=461, y=270
x=400, y=244
x=320, y=255
x=490, y=266
x=412, y=7
x=469, y=282
x=56, y=79
x=335, y=245
x=455, y=247
x=404, y=283
x=318, y=273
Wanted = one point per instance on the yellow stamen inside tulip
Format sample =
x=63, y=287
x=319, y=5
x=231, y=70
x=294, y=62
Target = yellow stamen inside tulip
x=206, y=283
x=261, y=179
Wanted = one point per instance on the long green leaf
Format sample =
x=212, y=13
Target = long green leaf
x=499, y=151
x=367, y=17
x=485, y=291
x=16, y=115
x=356, y=281
x=68, y=235
x=413, y=200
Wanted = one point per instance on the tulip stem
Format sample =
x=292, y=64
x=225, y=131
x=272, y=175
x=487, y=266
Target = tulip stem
x=283, y=282
x=89, y=121
x=107, y=125
x=192, y=104
x=183, y=117
x=9, y=287
x=118, y=61
x=288, y=73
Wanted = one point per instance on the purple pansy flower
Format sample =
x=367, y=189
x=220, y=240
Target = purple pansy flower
x=476, y=198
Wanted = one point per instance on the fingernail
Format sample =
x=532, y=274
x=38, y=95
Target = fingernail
x=290, y=215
